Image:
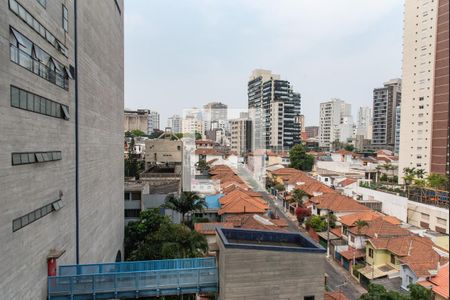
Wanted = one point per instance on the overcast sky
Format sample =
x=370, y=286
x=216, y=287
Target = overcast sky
x=185, y=53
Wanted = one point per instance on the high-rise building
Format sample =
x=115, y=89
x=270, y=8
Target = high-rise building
x=241, y=135
x=136, y=120
x=61, y=133
x=425, y=99
x=385, y=102
x=153, y=121
x=364, y=125
x=336, y=122
x=193, y=122
x=276, y=109
x=215, y=113
x=174, y=122
x=397, y=130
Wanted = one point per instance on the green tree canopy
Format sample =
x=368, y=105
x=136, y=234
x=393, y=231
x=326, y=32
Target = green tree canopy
x=379, y=292
x=137, y=132
x=155, y=237
x=318, y=223
x=300, y=159
x=437, y=181
x=349, y=147
x=185, y=203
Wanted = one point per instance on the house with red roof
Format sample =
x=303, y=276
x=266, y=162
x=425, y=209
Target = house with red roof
x=337, y=204
x=438, y=284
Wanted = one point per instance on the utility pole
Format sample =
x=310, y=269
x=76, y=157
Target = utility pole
x=328, y=234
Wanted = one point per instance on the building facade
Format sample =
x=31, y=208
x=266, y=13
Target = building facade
x=214, y=115
x=364, y=124
x=277, y=109
x=335, y=122
x=136, y=120
x=385, y=102
x=174, y=122
x=312, y=131
x=241, y=135
x=424, y=133
x=62, y=151
x=153, y=122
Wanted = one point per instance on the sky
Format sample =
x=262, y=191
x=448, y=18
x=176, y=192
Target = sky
x=186, y=53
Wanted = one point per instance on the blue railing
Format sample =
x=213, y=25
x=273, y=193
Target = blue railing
x=135, y=279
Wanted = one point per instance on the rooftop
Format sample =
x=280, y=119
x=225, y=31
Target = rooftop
x=267, y=240
x=212, y=201
x=210, y=227
x=439, y=283
x=338, y=203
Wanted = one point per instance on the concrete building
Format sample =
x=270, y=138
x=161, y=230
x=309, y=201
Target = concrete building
x=61, y=157
x=134, y=193
x=215, y=115
x=385, y=102
x=268, y=265
x=312, y=131
x=335, y=122
x=153, y=121
x=277, y=109
x=241, y=135
x=136, y=119
x=424, y=142
x=174, y=122
x=364, y=124
x=193, y=122
x=397, y=130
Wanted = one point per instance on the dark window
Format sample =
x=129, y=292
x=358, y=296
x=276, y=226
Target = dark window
x=135, y=195
x=32, y=102
x=34, y=157
x=370, y=252
x=132, y=213
x=41, y=212
x=309, y=298
x=393, y=259
x=65, y=18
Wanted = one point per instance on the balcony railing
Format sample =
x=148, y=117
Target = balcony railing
x=28, y=62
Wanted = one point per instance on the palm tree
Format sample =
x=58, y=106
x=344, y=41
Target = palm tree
x=420, y=173
x=185, y=203
x=360, y=224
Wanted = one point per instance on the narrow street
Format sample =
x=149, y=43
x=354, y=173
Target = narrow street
x=338, y=278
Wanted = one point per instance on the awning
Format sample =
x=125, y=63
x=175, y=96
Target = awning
x=353, y=253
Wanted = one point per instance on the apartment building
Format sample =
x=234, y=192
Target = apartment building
x=136, y=119
x=241, y=135
x=61, y=158
x=312, y=131
x=364, y=124
x=424, y=133
x=215, y=115
x=174, y=122
x=153, y=121
x=385, y=102
x=336, y=122
x=276, y=110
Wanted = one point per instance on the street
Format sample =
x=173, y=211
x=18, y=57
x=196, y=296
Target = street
x=338, y=278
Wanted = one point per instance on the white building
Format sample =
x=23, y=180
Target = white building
x=335, y=120
x=191, y=125
x=174, y=122
x=153, y=121
x=419, y=57
x=364, y=124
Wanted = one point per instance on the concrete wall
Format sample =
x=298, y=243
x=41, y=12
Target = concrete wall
x=269, y=275
x=391, y=204
x=25, y=188
x=419, y=213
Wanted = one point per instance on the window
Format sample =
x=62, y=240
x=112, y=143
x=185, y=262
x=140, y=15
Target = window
x=425, y=217
x=132, y=213
x=28, y=55
x=135, y=195
x=393, y=259
x=441, y=221
x=370, y=252
x=352, y=238
x=22, y=13
x=26, y=158
x=309, y=298
x=34, y=103
x=35, y=215
x=65, y=18
x=42, y=2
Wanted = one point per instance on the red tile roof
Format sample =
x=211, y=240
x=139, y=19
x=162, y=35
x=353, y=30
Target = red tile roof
x=380, y=228
x=208, y=151
x=251, y=221
x=337, y=231
x=313, y=186
x=370, y=215
x=347, y=181
x=210, y=227
x=414, y=251
x=439, y=283
x=338, y=203
x=334, y=296
x=352, y=253
x=241, y=202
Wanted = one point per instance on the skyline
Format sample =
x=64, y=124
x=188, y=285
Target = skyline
x=218, y=56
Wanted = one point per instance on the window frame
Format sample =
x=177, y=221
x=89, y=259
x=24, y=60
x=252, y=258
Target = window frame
x=65, y=18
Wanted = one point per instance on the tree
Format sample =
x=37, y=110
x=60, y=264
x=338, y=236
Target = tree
x=155, y=134
x=420, y=173
x=137, y=132
x=155, y=237
x=202, y=166
x=198, y=136
x=437, y=181
x=379, y=292
x=349, y=147
x=185, y=203
x=302, y=213
x=297, y=196
x=300, y=159
x=318, y=223
x=360, y=224
x=176, y=136
x=279, y=187
x=132, y=167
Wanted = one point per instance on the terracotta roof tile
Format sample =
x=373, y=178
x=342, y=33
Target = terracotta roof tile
x=439, y=283
x=347, y=182
x=210, y=227
x=208, y=151
x=252, y=221
x=334, y=296
x=337, y=231
x=380, y=228
x=352, y=253
x=338, y=203
x=239, y=202
x=370, y=215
